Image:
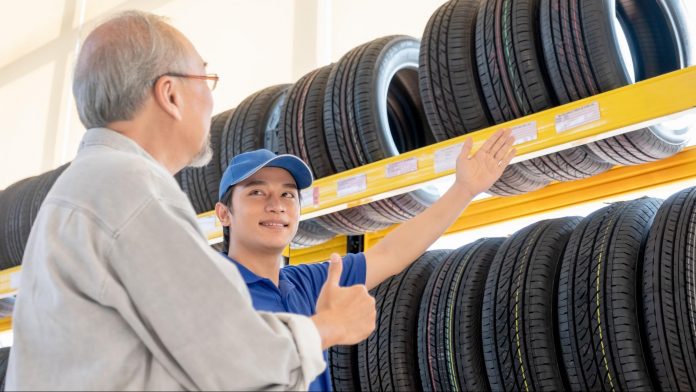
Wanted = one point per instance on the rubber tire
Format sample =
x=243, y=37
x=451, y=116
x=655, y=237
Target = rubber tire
x=669, y=294
x=449, y=83
x=343, y=363
x=519, y=309
x=599, y=299
x=514, y=83
x=251, y=120
x=4, y=361
x=450, y=352
x=583, y=58
x=372, y=95
x=387, y=359
x=302, y=130
x=310, y=233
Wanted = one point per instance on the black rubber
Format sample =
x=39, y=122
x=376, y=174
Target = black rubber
x=19, y=207
x=567, y=165
x=516, y=180
x=450, y=352
x=343, y=363
x=361, y=128
x=449, y=83
x=251, y=120
x=669, y=294
x=599, y=299
x=302, y=130
x=519, y=309
x=4, y=361
x=514, y=83
x=583, y=58
x=387, y=359
x=310, y=233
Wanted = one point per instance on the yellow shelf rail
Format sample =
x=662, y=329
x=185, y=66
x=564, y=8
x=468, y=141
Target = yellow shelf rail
x=679, y=169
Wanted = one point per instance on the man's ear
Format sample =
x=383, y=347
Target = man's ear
x=167, y=96
x=223, y=214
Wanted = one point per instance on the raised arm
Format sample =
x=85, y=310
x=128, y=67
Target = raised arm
x=474, y=174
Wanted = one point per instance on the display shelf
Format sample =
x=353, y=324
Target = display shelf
x=601, y=116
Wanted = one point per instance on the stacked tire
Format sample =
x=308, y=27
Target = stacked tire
x=364, y=108
x=19, y=206
x=605, y=302
x=487, y=62
x=387, y=360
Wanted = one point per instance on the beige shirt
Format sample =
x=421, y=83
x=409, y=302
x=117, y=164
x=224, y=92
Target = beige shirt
x=121, y=291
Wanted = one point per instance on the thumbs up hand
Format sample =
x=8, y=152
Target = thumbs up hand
x=345, y=315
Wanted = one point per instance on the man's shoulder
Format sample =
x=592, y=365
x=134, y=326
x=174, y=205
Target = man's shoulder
x=113, y=184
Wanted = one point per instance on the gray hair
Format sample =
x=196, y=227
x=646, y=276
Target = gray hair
x=117, y=66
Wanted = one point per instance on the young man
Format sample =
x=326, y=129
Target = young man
x=120, y=289
x=260, y=206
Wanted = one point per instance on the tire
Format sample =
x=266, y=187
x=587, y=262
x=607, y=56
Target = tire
x=343, y=363
x=669, y=294
x=516, y=180
x=449, y=84
x=302, y=131
x=4, y=361
x=387, y=359
x=514, y=84
x=353, y=221
x=15, y=215
x=201, y=184
x=568, y=165
x=255, y=121
x=582, y=52
x=310, y=233
x=21, y=202
x=519, y=309
x=372, y=110
x=598, y=299
x=450, y=352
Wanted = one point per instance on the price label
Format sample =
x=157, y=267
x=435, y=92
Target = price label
x=577, y=117
x=525, y=132
x=310, y=196
x=401, y=167
x=351, y=185
x=446, y=158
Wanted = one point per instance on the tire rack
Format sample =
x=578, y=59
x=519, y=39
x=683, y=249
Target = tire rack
x=601, y=116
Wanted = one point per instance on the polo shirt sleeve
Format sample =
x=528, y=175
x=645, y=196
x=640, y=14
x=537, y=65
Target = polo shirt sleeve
x=354, y=272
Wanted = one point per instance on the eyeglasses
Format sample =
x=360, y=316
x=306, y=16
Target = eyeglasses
x=211, y=79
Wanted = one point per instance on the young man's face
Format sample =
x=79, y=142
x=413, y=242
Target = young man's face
x=265, y=211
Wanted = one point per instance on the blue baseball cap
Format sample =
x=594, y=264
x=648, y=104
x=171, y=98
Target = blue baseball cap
x=246, y=164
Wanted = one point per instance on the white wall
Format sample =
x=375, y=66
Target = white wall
x=252, y=44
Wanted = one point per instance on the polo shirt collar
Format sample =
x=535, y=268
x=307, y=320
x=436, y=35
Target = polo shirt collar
x=248, y=276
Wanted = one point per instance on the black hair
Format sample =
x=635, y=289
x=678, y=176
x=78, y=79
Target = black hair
x=227, y=201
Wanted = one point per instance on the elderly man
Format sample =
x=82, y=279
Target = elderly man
x=119, y=288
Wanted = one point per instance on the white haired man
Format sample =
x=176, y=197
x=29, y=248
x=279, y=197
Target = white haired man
x=119, y=288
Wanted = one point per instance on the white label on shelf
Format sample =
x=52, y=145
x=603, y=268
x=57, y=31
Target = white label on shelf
x=525, y=132
x=310, y=196
x=351, y=185
x=577, y=117
x=208, y=224
x=446, y=158
x=402, y=167
x=14, y=279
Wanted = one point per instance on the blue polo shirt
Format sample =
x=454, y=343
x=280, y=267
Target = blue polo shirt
x=297, y=292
